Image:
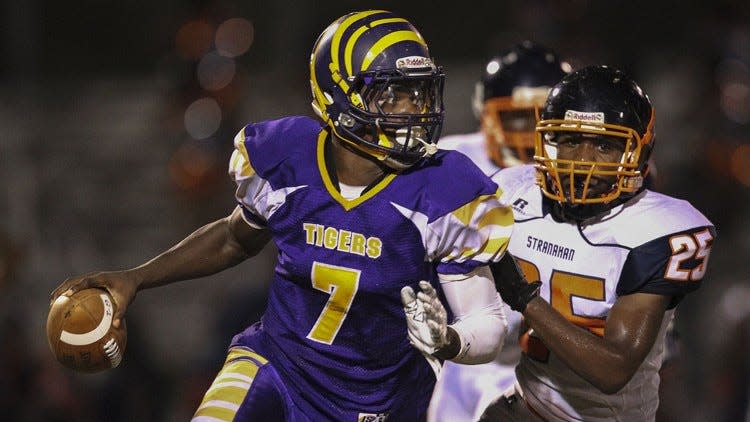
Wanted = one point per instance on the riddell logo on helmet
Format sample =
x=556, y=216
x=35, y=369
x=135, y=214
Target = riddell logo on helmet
x=584, y=116
x=413, y=62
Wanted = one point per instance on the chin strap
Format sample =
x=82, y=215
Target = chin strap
x=416, y=134
x=429, y=149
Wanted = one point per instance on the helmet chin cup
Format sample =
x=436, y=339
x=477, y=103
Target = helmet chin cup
x=411, y=140
x=415, y=137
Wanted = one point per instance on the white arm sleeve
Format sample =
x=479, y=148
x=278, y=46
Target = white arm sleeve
x=478, y=314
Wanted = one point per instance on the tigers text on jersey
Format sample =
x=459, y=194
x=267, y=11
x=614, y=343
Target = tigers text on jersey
x=653, y=243
x=334, y=325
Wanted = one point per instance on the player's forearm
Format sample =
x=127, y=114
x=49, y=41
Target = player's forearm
x=482, y=335
x=452, y=348
x=208, y=250
x=480, y=321
x=604, y=365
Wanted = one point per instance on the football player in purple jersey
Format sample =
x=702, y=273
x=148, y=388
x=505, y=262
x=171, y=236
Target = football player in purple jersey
x=599, y=262
x=364, y=211
x=514, y=85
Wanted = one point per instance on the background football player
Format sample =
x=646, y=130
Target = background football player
x=607, y=261
x=514, y=84
x=355, y=206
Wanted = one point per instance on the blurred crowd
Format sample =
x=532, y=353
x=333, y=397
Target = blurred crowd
x=116, y=141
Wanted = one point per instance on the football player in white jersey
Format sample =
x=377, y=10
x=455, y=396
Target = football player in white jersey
x=604, y=260
x=514, y=84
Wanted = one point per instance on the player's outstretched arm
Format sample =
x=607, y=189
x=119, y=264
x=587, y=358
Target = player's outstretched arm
x=208, y=250
x=608, y=362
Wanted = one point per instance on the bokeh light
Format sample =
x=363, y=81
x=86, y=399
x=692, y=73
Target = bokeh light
x=733, y=78
x=493, y=67
x=193, y=169
x=229, y=96
x=735, y=102
x=740, y=164
x=734, y=304
x=202, y=118
x=234, y=37
x=194, y=39
x=215, y=71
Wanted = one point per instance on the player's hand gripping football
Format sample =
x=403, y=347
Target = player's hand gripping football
x=426, y=318
x=511, y=284
x=120, y=285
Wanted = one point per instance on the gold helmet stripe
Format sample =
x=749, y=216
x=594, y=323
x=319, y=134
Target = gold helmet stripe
x=320, y=98
x=389, y=40
x=358, y=33
x=335, y=66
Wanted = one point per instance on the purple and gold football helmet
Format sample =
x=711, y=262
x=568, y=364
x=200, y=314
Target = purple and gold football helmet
x=375, y=85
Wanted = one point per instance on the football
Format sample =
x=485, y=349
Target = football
x=80, y=331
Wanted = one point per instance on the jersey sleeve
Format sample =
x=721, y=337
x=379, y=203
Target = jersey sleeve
x=514, y=180
x=252, y=190
x=670, y=265
x=470, y=236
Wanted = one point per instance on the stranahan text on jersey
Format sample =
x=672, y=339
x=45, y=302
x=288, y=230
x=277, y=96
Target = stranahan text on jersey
x=550, y=248
x=342, y=240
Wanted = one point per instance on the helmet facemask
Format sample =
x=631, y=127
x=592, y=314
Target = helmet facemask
x=575, y=181
x=394, y=115
x=508, y=124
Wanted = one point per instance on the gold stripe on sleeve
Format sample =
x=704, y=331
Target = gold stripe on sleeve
x=466, y=212
x=240, y=162
x=499, y=216
x=237, y=352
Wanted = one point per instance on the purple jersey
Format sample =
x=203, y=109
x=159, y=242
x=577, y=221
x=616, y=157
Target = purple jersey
x=334, y=328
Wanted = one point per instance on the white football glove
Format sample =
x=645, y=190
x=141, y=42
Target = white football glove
x=426, y=318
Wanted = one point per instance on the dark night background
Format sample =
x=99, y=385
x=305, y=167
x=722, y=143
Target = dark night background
x=116, y=121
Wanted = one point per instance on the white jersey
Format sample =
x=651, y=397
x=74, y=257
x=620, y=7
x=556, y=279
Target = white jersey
x=464, y=391
x=473, y=146
x=653, y=243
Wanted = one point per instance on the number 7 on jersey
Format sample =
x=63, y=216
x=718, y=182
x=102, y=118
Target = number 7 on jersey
x=342, y=284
